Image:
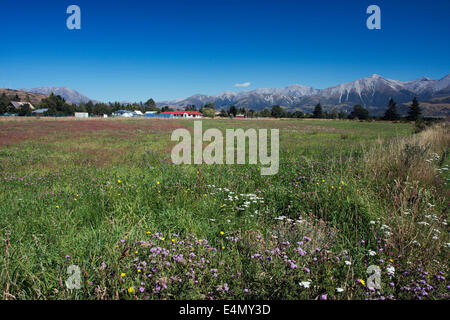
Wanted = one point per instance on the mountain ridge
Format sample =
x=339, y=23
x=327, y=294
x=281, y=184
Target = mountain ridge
x=372, y=92
x=68, y=94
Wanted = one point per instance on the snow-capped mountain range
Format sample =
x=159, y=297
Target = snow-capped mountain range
x=372, y=92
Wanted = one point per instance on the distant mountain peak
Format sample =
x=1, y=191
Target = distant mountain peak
x=68, y=94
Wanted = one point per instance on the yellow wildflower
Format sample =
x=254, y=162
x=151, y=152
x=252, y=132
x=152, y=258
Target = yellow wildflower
x=122, y=274
x=131, y=290
x=362, y=282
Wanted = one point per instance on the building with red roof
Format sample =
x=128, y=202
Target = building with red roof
x=183, y=114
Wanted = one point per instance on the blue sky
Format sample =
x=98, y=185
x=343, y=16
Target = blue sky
x=134, y=50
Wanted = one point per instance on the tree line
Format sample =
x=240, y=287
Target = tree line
x=57, y=106
x=358, y=112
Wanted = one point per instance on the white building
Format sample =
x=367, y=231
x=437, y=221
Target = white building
x=81, y=115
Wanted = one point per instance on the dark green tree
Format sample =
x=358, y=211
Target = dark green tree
x=233, y=111
x=4, y=101
x=166, y=108
x=277, y=112
x=318, y=112
x=414, y=112
x=25, y=110
x=298, y=114
x=150, y=103
x=265, y=113
x=391, y=112
x=359, y=112
x=223, y=113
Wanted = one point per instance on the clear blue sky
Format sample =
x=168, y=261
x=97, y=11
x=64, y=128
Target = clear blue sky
x=134, y=50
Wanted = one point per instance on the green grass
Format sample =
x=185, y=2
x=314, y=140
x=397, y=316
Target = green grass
x=79, y=195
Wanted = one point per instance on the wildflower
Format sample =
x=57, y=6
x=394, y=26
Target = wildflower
x=339, y=290
x=118, y=181
x=362, y=282
x=122, y=275
x=131, y=290
x=245, y=290
x=323, y=297
x=139, y=270
x=223, y=247
x=390, y=270
x=157, y=182
x=57, y=207
x=372, y=253
x=348, y=263
x=305, y=284
x=141, y=289
x=222, y=233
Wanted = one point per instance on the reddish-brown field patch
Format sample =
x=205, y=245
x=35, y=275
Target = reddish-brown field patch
x=15, y=130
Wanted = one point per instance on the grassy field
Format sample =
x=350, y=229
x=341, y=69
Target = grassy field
x=102, y=194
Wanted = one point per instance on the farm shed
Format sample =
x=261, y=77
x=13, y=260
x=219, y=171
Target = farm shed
x=123, y=113
x=39, y=112
x=81, y=115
